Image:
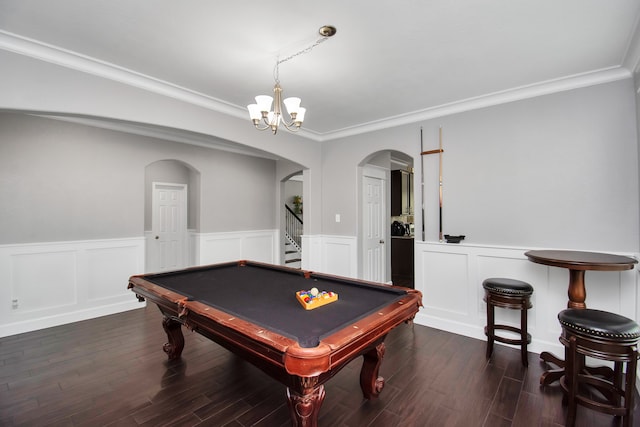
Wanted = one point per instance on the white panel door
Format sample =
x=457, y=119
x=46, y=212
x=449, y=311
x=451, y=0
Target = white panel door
x=374, y=249
x=169, y=225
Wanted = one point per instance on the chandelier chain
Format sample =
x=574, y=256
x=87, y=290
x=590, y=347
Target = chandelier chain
x=276, y=70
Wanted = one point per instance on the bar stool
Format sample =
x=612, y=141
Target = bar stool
x=605, y=336
x=512, y=294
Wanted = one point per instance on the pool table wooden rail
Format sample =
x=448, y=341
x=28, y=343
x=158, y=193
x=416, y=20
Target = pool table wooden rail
x=335, y=350
x=302, y=370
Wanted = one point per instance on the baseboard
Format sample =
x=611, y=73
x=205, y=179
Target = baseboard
x=71, y=317
x=475, y=331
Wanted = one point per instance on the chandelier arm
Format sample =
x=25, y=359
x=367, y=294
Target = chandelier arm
x=292, y=127
x=267, y=125
x=257, y=125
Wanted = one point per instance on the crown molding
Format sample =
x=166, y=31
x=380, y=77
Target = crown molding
x=75, y=61
x=489, y=100
x=55, y=55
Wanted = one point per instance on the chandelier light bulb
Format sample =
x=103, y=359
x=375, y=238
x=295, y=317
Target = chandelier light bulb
x=292, y=104
x=300, y=116
x=264, y=102
x=254, y=112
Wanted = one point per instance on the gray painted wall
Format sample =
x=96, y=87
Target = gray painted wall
x=30, y=84
x=577, y=188
x=61, y=181
x=559, y=170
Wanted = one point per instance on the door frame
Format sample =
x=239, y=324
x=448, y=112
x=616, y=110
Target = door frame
x=152, y=249
x=299, y=177
x=376, y=172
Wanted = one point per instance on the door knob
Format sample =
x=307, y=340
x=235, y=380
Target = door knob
x=382, y=241
x=157, y=237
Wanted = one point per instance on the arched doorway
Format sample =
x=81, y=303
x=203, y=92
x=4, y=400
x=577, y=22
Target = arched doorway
x=171, y=200
x=386, y=177
x=292, y=196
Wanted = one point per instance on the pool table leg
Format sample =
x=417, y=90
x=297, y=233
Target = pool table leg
x=370, y=383
x=174, y=347
x=304, y=408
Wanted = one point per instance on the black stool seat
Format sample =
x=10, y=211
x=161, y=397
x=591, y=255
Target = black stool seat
x=507, y=286
x=605, y=336
x=512, y=294
x=601, y=324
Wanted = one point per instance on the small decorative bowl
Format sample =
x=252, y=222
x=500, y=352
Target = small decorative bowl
x=453, y=239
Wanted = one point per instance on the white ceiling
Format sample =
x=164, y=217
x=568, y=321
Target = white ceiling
x=390, y=62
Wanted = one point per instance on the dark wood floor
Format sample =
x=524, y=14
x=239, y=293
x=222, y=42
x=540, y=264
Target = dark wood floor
x=112, y=371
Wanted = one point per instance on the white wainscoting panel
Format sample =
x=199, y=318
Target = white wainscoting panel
x=258, y=245
x=104, y=282
x=340, y=255
x=311, y=252
x=43, y=281
x=261, y=247
x=450, y=277
x=49, y=284
x=444, y=281
x=330, y=254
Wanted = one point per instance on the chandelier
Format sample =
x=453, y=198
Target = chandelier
x=261, y=114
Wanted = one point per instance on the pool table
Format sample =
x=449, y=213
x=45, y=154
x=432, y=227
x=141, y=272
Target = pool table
x=251, y=309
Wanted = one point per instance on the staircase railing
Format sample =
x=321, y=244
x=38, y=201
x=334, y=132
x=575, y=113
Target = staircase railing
x=293, y=228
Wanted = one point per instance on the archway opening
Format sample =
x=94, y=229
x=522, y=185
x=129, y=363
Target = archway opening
x=172, y=214
x=386, y=220
x=292, y=196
